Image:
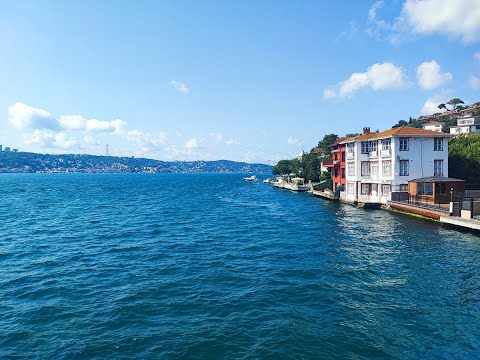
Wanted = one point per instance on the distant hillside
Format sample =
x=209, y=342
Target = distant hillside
x=448, y=118
x=24, y=162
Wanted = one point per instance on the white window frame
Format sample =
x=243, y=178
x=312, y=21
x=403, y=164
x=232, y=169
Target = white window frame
x=437, y=165
x=386, y=144
x=374, y=169
x=351, y=168
x=373, y=146
x=404, y=144
x=350, y=188
x=404, y=165
x=366, y=189
x=386, y=189
x=437, y=144
x=387, y=165
x=350, y=148
x=365, y=168
x=364, y=147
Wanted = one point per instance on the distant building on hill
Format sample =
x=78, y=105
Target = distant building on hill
x=466, y=125
x=1, y=148
x=433, y=126
x=7, y=149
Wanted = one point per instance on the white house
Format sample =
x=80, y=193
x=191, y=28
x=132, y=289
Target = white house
x=466, y=125
x=433, y=126
x=379, y=163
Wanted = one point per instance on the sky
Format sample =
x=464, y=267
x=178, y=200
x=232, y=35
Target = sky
x=254, y=81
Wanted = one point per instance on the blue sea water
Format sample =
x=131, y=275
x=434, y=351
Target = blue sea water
x=149, y=266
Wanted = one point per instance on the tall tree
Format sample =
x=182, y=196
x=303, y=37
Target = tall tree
x=325, y=143
x=443, y=106
x=455, y=102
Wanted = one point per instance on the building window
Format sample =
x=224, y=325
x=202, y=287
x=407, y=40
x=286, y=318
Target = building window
x=351, y=169
x=335, y=173
x=375, y=188
x=437, y=144
x=350, y=148
x=424, y=189
x=365, y=168
x=403, y=167
x=365, y=189
x=403, y=187
x=438, y=168
x=386, y=189
x=343, y=156
x=374, y=170
x=343, y=173
x=334, y=157
x=386, y=144
x=350, y=188
x=364, y=147
x=403, y=144
x=373, y=146
x=387, y=168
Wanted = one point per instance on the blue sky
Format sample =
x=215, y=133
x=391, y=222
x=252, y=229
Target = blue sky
x=252, y=81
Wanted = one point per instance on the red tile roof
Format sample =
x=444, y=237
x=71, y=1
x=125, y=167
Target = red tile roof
x=400, y=131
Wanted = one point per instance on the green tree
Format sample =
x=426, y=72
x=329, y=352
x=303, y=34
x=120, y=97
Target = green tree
x=464, y=157
x=455, y=102
x=443, y=106
x=325, y=143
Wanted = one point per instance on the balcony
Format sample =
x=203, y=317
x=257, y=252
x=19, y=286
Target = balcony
x=328, y=163
x=350, y=155
x=373, y=155
x=386, y=153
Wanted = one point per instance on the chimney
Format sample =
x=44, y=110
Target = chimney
x=366, y=130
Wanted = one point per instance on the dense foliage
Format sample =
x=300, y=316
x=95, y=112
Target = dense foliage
x=464, y=158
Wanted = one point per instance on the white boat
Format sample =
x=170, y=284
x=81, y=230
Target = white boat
x=267, y=181
x=252, y=178
x=279, y=182
x=297, y=184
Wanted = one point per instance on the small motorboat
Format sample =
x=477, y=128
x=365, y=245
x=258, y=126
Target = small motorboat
x=268, y=181
x=252, y=178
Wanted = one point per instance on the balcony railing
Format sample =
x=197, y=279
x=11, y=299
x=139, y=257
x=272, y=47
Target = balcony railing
x=386, y=153
x=373, y=154
x=350, y=155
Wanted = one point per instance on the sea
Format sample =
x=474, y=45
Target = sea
x=207, y=266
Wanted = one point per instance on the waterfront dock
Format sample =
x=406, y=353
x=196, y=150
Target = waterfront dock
x=471, y=224
x=329, y=195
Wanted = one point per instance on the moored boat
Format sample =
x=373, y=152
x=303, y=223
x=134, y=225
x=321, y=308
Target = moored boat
x=252, y=178
x=297, y=184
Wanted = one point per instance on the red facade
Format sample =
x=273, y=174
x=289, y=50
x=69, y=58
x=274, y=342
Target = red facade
x=338, y=164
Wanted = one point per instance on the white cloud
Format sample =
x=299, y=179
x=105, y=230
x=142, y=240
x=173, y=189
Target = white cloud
x=429, y=76
x=329, y=93
x=178, y=133
x=352, y=31
x=431, y=105
x=180, y=87
x=474, y=82
x=294, y=141
x=453, y=18
x=146, y=139
x=192, y=143
x=50, y=140
x=232, y=142
x=456, y=18
x=217, y=135
x=476, y=56
x=25, y=116
x=383, y=76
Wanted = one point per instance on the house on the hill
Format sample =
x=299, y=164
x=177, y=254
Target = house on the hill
x=433, y=126
x=466, y=125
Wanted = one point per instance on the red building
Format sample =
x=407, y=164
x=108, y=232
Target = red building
x=337, y=164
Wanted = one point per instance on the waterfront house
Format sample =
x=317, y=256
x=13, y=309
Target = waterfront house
x=337, y=163
x=466, y=125
x=378, y=164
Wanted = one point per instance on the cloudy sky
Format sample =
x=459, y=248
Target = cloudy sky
x=249, y=80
